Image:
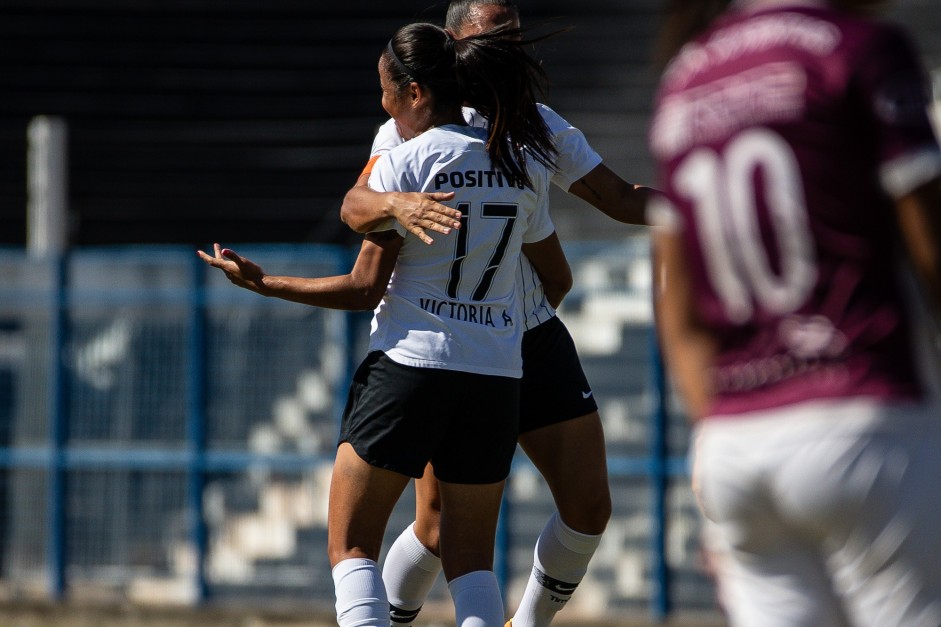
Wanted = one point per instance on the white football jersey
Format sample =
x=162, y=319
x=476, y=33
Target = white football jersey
x=576, y=159
x=455, y=304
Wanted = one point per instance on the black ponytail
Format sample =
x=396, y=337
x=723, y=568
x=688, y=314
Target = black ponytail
x=501, y=81
x=461, y=12
x=490, y=72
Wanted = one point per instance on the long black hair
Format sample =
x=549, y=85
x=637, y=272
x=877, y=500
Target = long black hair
x=491, y=72
x=459, y=11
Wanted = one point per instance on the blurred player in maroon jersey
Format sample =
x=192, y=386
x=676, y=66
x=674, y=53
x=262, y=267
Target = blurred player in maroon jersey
x=801, y=180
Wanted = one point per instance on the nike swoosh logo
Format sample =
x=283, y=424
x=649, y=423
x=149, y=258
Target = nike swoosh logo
x=586, y=394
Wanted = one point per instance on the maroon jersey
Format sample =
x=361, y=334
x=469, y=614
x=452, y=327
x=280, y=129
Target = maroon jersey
x=782, y=135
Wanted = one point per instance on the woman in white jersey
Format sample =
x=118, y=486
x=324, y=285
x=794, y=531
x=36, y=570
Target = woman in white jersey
x=560, y=428
x=441, y=381
x=801, y=177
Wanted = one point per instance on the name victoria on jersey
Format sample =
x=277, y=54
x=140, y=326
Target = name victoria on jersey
x=464, y=312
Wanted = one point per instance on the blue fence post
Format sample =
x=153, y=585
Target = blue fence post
x=658, y=456
x=58, y=430
x=196, y=423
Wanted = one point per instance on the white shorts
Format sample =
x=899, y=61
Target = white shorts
x=824, y=513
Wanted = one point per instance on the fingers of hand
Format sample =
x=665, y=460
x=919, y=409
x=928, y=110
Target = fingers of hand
x=432, y=218
x=436, y=226
x=215, y=262
x=450, y=219
x=423, y=236
x=434, y=210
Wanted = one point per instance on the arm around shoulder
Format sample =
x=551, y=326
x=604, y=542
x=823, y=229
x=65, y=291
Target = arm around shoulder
x=365, y=209
x=612, y=195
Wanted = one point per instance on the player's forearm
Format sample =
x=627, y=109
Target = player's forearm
x=612, y=195
x=365, y=209
x=335, y=292
x=688, y=356
x=920, y=219
x=688, y=349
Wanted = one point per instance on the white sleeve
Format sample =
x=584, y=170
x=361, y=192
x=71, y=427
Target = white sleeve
x=387, y=138
x=576, y=157
x=473, y=118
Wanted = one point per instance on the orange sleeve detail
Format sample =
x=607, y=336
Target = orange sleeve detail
x=369, y=164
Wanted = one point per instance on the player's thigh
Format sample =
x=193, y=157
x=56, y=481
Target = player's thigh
x=392, y=418
x=469, y=515
x=769, y=571
x=427, y=510
x=885, y=533
x=482, y=418
x=780, y=585
x=361, y=500
x=766, y=573
x=570, y=455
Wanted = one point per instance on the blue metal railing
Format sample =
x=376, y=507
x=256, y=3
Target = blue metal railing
x=58, y=433
x=197, y=460
x=196, y=423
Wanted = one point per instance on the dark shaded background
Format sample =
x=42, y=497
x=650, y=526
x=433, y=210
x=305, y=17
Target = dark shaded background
x=193, y=121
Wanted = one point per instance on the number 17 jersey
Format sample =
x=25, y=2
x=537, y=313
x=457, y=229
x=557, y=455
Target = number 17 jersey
x=455, y=304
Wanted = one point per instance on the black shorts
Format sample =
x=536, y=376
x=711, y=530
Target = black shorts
x=401, y=417
x=554, y=387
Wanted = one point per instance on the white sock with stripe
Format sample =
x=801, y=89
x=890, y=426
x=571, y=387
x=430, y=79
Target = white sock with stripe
x=409, y=572
x=561, y=560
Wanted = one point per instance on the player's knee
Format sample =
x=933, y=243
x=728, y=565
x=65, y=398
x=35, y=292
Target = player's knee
x=591, y=515
x=339, y=549
x=429, y=534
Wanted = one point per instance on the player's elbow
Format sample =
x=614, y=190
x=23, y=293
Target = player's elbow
x=372, y=300
x=557, y=287
x=563, y=284
x=367, y=297
x=349, y=216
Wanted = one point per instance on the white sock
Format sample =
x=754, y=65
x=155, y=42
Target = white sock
x=561, y=560
x=409, y=572
x=361, y=597
x=477, y=600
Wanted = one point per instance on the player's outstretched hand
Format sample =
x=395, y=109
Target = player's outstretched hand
x=420, y=212
x=239, y=270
